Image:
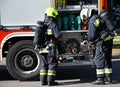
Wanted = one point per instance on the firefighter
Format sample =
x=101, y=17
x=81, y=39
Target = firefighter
x=101, y=34
x=45, y=41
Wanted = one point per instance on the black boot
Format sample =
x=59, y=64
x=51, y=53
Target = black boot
x=44, y=83
x=99, y=81
x=108, y=80
x=52, y=83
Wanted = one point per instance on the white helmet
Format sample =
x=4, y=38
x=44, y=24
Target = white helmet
x=85, y=13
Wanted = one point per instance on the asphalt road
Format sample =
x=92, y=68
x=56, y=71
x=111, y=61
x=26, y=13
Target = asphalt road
x=67, y=76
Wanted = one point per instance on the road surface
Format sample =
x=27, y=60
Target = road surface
x=67, y=76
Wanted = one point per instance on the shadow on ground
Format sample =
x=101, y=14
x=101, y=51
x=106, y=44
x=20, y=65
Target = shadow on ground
x=4, y=75
x=83, y=74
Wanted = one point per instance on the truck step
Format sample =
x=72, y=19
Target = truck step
x=74, y=62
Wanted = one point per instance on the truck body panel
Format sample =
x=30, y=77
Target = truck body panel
x=22, y=12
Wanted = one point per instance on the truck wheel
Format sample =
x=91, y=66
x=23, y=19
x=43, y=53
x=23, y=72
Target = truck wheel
x=23, y=62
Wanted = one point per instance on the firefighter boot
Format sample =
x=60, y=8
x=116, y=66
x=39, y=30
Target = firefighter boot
x=99, y=81
x=52, y=83
x=44, y=83
x=108, y=80
x=43, y=79
x=51, y=80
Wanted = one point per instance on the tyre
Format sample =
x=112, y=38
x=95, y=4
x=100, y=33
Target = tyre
x=23, y=62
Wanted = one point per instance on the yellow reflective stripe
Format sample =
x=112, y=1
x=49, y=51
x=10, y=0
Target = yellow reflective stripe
x=108, y=71
x=51, y=73
x=49, y=31
x=108, y=38
x=43, y=51
x=97, y=22
x=43, y=73
x=100, y=71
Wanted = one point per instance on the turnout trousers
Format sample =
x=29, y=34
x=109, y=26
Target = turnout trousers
x=103, y=55
x=48, y=68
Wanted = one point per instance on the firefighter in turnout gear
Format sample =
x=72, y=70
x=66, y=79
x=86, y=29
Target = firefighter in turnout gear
x=101, y=34
x=45, y=40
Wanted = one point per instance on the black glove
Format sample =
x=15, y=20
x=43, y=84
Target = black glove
x=114, y=33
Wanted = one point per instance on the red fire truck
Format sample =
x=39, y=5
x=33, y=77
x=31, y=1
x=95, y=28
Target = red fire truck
x=17, y=25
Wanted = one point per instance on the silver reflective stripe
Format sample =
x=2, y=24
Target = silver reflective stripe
x=49, y=31
x=108, y=70
x=100, y=71
x=43, y=72
x=51, y=73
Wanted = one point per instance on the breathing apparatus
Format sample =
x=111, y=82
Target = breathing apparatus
x=108, y=31
x=104, y=18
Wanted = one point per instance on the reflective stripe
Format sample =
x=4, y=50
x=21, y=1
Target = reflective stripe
x=97, y=22
x=108, y=38
x=43, y=72
x=51, y=44
x=51, y=73
x=43, y=51
x=100, y=71
x=108, y=71
x=49, y=32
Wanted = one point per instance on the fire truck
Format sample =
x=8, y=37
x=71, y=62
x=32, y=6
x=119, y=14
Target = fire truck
x=17, y=28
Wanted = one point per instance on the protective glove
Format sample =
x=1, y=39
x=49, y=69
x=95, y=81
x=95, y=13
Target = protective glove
x=114, y=33
x=104, y=35
x=37, y=47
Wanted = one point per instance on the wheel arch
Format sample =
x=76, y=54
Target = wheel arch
x=11, y=39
